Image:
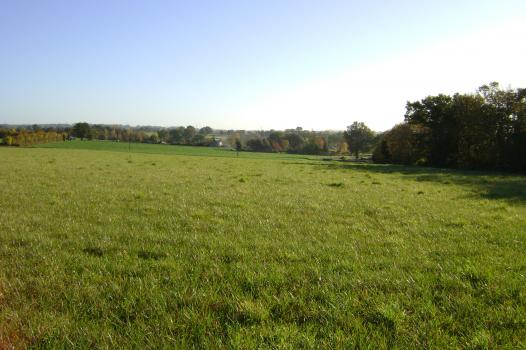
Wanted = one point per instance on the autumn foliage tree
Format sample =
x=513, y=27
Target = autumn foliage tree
x=25, y=138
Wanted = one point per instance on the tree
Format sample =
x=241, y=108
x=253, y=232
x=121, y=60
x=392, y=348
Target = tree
x=199, y=140
x=315, y=145
x=504, y=109
x=176, y=135
x=485, y=130
x=358, y=137
x=435, y=115
x=259, y=145
x=163, y=135
x=396, y=146
x=295, y=140
x=188, y=134
x=476, y=144
x=8, y=140
x=82, y=130
x=205, y=130
x=275, y=136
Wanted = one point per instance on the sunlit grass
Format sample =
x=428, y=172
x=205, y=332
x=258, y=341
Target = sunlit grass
x=115, y=249
x=169, y=149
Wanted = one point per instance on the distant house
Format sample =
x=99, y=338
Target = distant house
x=216, y=142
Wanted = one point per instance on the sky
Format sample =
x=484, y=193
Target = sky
x=272, y=64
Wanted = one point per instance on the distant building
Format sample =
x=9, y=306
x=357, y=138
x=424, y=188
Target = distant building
x=216, y=142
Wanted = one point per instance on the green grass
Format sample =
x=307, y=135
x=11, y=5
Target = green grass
x=169, y=149
x=112, y=249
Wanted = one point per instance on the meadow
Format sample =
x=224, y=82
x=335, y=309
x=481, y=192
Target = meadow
x=170, y=150
x=186, y=247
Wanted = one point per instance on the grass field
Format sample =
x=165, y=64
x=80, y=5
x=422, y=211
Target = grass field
x=167, y=247
x=169, y=150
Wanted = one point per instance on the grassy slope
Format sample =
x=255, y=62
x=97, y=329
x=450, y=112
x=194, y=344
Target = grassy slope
x=113, y=249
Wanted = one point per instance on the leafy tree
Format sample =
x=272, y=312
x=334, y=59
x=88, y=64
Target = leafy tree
x=396, y=146
x=176, y=136
x=476, y=146
x=275, y=136
x=435, y=114
x=82, y=131
x=8, y=140
x=205, y=130
x=358, y=137
x=315, y=145
x=163, y=135
x=199, y=140
x=188, y=134
x=295, y=140
x=259, y=145
x=486, y=130
x=502, y=109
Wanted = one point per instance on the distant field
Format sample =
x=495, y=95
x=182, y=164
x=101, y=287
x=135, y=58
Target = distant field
x=170, y=246
x=168, y=149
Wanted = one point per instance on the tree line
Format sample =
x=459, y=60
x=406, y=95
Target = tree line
x=293, y=141
x=484, y=130
x=24, y=137
x=177, y=136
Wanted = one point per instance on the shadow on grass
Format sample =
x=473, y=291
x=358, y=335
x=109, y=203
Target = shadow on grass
x=489, y=185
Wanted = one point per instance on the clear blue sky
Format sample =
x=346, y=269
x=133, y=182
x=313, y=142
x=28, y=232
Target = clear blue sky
x=248, y=64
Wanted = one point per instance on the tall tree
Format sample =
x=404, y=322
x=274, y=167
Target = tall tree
x=486, y=130
x=358, y=137
x=440, y=128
